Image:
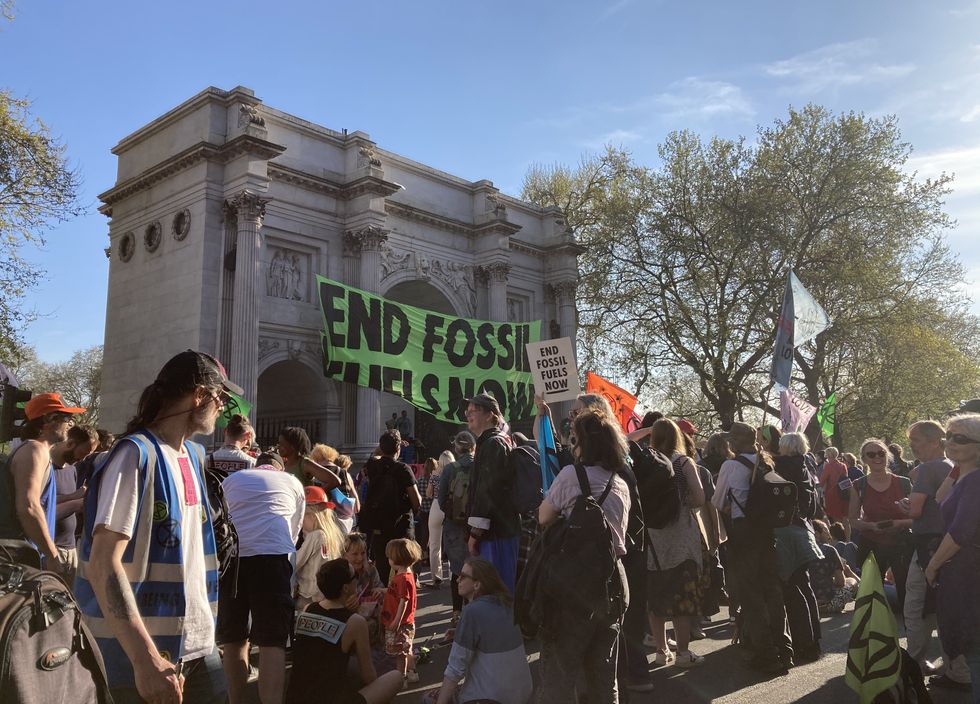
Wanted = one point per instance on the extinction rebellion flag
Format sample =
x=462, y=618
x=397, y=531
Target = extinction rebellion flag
x=873, y=656
x=430, y=359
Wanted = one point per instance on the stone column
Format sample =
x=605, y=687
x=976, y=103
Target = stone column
x=352, y=277
x=368, y=241
x=249, y=209
x=496, y=274
x=565, y=298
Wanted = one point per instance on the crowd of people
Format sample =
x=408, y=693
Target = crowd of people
x=183, y=561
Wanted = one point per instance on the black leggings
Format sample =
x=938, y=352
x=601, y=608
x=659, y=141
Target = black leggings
x=895, y=555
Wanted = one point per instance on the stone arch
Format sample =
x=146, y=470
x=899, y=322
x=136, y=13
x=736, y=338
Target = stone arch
x=434, y=295
x=402, y=282
x=293, y=391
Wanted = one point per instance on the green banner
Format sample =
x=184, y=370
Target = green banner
x=432, y=360
x=827, y=415
x=234, y=405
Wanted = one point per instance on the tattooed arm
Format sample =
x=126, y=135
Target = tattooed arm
x=156, y=679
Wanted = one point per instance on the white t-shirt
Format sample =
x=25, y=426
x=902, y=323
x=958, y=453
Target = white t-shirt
x=230, y=459
x=118, y=502
x=266, y=506
x=735, y=476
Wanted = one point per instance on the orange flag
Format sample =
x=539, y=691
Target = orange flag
x=621, y=400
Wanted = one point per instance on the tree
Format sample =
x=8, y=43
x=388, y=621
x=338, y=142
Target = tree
x=37, y=188
x=687, y=262
x=78, y=380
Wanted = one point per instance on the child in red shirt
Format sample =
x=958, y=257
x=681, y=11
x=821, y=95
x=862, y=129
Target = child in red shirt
x=398, y=609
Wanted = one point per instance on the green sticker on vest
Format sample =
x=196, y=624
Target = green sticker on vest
x=160, y=511
x=204, y=515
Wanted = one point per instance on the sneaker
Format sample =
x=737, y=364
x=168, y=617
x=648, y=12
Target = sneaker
x=672, y=644
x=411, y=677
x=663, y=658
x=688, y=659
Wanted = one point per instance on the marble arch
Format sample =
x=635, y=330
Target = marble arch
x=251, y=202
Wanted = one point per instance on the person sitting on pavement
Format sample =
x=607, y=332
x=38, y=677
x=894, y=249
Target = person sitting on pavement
x=328, y=632
x=370, y=589
x=834, y=583
x=488, y=652
x=322, y=541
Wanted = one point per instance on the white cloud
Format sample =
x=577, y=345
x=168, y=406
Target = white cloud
x=699, y=98
x=972, y=115
x=835, y=65
x=963, y=162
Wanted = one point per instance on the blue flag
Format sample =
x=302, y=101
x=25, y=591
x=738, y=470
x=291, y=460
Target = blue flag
x=547, y=451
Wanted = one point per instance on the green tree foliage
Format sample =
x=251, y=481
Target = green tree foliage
x=78, y=380
x=686, y=263
x=37, y=188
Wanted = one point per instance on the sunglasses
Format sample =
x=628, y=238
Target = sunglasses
x=961, y=439
x=879, y=454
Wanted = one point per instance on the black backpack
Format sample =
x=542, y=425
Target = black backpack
x=382, y=505
x=772, y=499
x=570, y=566
x=47, y=653
x=655, y=485
x=527, y=491
x=225, y=535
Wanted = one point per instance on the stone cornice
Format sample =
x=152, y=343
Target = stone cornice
x=442, y=222
x=202, y=151
x=342, y=190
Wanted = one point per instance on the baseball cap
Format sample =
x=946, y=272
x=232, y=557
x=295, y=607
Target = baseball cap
x=43, y=404
x=687, y=427
x=464, y=440
x=485, y=401
x=199, y=369
x=316, y=495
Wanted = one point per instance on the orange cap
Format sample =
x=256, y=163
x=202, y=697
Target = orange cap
x=316, y=495
x=47, y=403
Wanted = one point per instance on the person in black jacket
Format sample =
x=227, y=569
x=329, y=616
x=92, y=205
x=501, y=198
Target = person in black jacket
x=495, y=524
x=796, y=548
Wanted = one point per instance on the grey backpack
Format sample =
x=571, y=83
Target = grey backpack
x=46, y=653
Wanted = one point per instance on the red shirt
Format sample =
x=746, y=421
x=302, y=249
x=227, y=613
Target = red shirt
x=880, y=506
x=834, y=471
x=401, y=586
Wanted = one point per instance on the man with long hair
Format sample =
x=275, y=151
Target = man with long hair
x=28, y=493
x=148, y=572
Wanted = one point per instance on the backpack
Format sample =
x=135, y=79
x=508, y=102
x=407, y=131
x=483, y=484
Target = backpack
x=527, y=491
x=225, y=535
x=772, y=499
x=47, y=653
x=457, y=506
x=570, y=566
x=655, y=485
x=382, y=506
x=807, y=503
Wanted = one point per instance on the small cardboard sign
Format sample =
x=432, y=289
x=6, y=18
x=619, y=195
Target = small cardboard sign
x=553, y=369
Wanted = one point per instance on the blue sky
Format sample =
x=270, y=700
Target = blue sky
x=483, y=90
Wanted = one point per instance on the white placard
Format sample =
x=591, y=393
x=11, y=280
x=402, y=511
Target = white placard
x=553, y=369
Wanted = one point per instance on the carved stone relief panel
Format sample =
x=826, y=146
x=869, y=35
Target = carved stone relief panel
x=287, y=275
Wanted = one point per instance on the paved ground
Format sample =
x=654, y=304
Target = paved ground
x=722, y=679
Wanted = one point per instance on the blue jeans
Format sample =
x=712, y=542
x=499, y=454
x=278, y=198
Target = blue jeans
x=502, y=554
x=204, y=683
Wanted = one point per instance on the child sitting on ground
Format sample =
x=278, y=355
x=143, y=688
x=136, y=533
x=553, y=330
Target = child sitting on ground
x=322, y=541
x=370, y=589
x=398, y=610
